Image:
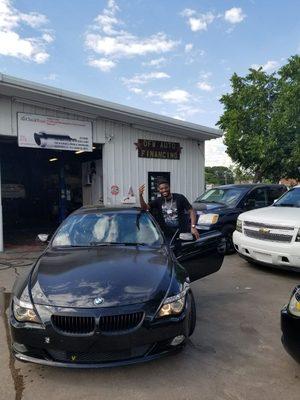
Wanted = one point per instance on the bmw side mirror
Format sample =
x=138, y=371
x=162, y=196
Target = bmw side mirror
x=186, y=237
x=275, y=201
x=43, y=237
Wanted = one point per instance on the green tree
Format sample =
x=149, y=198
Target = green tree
x=260, y=121
x=218, y=175
x=286, y=117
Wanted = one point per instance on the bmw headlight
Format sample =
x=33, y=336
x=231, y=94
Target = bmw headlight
x=174, y=305
x=239, y=225
x=208, y=219
x=24, y=312
x=294, y=304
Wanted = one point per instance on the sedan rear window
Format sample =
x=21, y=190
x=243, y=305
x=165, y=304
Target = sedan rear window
x=107, y=228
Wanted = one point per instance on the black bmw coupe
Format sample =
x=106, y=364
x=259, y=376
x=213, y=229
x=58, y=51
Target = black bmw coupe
x=108, y=290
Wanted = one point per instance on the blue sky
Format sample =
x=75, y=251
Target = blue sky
x=172, y=57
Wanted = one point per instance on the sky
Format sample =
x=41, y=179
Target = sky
x=171, y=57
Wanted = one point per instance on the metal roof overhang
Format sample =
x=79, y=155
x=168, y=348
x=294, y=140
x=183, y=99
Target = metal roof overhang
x=24, y=90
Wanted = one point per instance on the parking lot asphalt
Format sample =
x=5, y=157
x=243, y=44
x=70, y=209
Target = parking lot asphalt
x=235, y=352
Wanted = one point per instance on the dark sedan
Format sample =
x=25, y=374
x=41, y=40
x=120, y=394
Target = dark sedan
x=290, y=325
x=109, y=290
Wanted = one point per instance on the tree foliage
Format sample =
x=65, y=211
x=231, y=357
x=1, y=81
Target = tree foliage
x=218, y=175
x=261, y=121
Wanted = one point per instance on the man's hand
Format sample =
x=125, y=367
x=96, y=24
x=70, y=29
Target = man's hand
x=141, y=190
x=144, y=205
x=195, y=232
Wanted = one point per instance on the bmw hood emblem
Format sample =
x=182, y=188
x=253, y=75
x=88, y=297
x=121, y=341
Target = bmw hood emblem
x=98, y=301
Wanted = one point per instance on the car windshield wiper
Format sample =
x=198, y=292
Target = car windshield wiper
x=99, y=244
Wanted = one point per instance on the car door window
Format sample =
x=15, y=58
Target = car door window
x=274, y=194
x=257, y=199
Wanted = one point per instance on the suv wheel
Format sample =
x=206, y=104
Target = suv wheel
x=227, y=232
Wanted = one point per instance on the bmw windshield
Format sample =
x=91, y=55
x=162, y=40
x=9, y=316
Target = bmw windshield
x=107, y=228
x=229, y=196
x=289, y=199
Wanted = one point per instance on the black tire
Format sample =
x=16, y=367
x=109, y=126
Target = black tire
x=192, y=317
x=228, y=232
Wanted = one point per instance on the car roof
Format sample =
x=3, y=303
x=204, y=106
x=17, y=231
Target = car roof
x=248, y=185
x=101, y=208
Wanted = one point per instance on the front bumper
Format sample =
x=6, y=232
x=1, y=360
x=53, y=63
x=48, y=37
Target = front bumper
x=280, y=255
x=290, y=327
x=42, y=344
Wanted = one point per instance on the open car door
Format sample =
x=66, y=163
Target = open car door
x=202, y=257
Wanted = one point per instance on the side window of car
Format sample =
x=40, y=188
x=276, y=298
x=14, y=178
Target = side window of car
x=274, y=194
x=256, y=199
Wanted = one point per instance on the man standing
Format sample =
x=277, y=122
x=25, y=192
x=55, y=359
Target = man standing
x=169, y=210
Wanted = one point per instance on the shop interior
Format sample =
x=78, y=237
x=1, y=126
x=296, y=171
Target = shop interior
x=41, y=187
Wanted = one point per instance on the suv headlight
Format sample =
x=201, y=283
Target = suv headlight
x=294, y=304
x=24, y=312
x=208, y=219
x=239, y=225
x=174, y=305
x=298, y=236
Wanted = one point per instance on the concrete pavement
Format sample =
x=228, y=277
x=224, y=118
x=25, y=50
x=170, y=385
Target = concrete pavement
x=235, y=352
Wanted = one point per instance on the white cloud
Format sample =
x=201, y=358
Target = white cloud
x=215, y=153
x=198, y=21
x=176, y=96
x=269, y=66
x=205, y=86
x=12, y=43
x=156, y=62
x=48, y=37
x=141, y=79
x=41, y=57
x=186, y=111
x=135, y=90
x=133, y=84
x=234, y=16
x=188, y=47
x=103, y=64
x=107, y=38
x=33, y=19
x=187, y=12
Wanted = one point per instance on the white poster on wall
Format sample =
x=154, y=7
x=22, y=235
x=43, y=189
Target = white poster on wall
x=44, y=132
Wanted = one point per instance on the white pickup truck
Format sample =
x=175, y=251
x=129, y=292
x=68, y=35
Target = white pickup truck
x=271, y=235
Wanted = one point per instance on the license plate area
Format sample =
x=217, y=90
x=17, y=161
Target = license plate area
x=263, y=257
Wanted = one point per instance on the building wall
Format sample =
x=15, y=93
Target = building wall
x=121, y=164
x=187, y=174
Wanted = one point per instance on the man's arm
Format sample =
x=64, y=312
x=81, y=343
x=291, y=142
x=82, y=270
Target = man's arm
x=193, y=217
x=144, y=205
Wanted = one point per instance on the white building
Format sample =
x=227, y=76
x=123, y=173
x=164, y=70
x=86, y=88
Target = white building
x=124, y=147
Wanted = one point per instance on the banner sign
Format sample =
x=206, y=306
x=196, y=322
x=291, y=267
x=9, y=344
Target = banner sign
x=44, y=132
x=158, y=149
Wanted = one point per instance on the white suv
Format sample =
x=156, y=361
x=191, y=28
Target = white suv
x=271, y=235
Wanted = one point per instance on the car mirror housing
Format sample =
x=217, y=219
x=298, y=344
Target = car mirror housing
x=43, y=237
x=186, y=237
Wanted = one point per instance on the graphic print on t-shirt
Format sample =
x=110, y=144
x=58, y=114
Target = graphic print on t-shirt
x=170, y=213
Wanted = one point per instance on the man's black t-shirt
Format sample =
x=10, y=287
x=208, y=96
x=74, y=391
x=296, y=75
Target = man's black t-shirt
x=171, y=214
